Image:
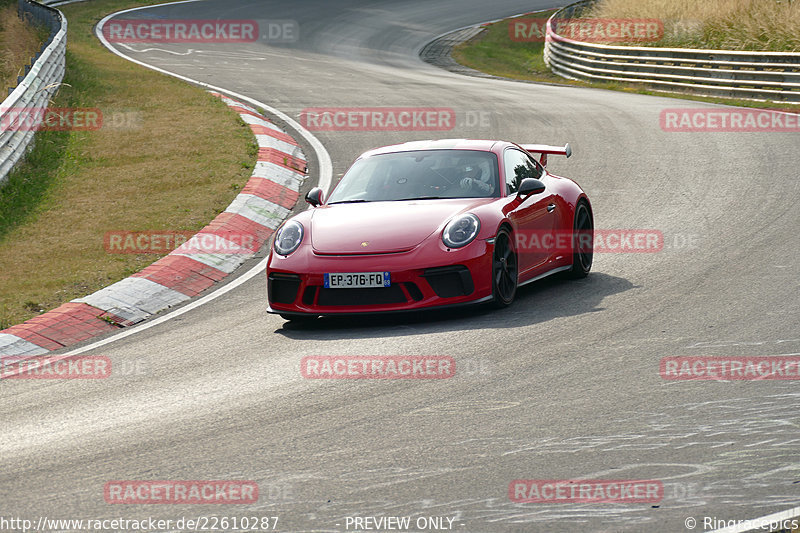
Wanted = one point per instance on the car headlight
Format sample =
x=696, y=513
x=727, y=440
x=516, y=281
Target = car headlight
x=288, y=237
x=461, y=231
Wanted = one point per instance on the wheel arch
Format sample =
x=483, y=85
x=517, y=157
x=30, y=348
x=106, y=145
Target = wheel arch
x=506, y=224
x=585, y=199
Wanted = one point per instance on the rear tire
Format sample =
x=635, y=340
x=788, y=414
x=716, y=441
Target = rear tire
x=504, y=270
x=583, y=253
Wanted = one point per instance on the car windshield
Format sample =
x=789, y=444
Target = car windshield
x=419, y=175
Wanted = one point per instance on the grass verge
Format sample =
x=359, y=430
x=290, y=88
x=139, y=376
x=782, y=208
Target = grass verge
x=492, y=51
x=169, y=156
x=772, y=25
x=19, y=42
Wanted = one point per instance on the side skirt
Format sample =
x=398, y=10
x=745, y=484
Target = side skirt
x=548, y=273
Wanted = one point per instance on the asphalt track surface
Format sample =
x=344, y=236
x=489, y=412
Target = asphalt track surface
x=564, y=384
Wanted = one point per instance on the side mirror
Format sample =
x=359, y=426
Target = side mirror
x=314, y=196
x=530, y=186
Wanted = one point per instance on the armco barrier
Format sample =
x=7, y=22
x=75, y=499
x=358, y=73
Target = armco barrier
x=728, y=73
x=36, y=88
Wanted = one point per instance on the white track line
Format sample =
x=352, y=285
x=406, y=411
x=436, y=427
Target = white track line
x=758, y=524
x=258, y=269
x=325, y=170
x=325, y=177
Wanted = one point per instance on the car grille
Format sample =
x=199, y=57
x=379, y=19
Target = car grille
x=372, y=296
x=282, y=288
x=450, y=281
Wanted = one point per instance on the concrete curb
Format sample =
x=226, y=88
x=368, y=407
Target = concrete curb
x=270, y=193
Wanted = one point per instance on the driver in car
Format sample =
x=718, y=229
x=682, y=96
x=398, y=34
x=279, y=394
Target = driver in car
x=474, y=175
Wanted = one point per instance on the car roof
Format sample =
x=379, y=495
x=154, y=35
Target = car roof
x=439, y=144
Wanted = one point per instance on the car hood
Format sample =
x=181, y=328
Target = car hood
x=382, y=227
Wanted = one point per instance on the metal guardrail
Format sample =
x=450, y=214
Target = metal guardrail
x=771, y=76
x=54, y=3
x=35, y=89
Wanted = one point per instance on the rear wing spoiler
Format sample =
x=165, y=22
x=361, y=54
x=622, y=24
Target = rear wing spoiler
x=545, y=149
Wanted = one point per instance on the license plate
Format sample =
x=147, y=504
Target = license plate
x=360, y=280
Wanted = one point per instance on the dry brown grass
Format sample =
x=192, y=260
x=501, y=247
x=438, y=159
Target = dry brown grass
x=723, y=24
x=19, y=42
x=183, y=159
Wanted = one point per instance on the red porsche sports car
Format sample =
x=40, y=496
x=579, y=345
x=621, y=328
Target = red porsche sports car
x=431, y=224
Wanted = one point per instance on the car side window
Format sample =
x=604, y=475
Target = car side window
x=519, y=166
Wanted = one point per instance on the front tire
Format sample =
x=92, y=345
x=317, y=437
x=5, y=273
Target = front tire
x=504, y=270
x=583, y=235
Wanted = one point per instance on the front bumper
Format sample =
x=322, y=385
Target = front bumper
x=421, y=279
